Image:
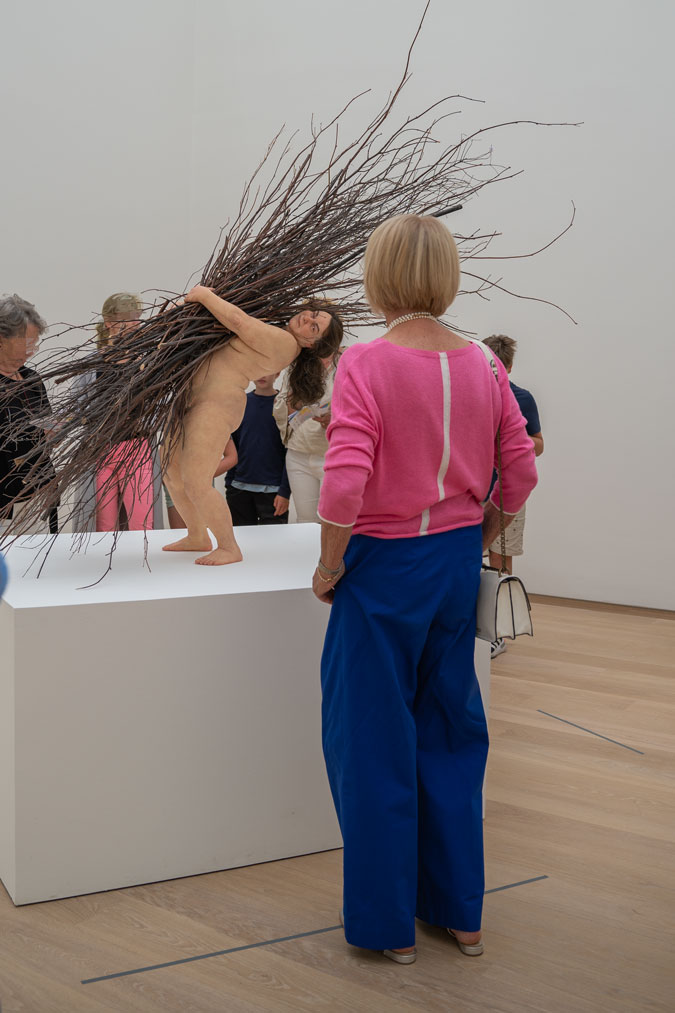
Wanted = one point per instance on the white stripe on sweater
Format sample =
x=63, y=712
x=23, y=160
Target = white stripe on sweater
x=445, y=458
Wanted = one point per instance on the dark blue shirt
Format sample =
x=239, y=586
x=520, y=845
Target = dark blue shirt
x=528, y=408
x=262, y=455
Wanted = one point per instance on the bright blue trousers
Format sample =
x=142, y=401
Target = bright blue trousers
x=404, y=735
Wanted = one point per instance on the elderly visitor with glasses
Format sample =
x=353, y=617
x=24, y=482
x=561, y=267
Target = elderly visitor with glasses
x=24, y=412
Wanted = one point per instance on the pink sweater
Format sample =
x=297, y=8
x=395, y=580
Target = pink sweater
x=412, y=441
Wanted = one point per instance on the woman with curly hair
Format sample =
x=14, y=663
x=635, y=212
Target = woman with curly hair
x=308, y=382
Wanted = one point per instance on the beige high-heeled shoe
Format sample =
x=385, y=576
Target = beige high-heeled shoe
x=470, y=949
x=399, y=958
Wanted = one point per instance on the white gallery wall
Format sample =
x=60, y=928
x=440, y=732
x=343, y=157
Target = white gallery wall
x=129, y=131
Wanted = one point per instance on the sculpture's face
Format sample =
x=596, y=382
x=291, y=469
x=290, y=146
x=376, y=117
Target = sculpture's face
x=15, y=350
x=309, y=326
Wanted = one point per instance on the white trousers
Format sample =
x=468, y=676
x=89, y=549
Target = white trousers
x=305, y=474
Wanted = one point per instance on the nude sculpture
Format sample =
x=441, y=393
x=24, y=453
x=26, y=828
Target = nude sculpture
x=218, y=400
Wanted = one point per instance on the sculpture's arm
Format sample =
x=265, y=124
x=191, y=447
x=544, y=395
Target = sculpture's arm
x=254, y=332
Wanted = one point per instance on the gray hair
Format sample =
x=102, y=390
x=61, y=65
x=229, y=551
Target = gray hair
x=15, y=316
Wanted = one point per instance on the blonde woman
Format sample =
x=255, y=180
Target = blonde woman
x=412, y=448
x=103, y=503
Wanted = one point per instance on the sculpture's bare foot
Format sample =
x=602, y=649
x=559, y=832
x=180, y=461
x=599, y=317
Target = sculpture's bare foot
x=219, y=557
x=188, y=544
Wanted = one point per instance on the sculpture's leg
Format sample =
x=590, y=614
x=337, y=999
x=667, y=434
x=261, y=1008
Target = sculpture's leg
x=197, y=538
x=207, y=430
x=215, y=509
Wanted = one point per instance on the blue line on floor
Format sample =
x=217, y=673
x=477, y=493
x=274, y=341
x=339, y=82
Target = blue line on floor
x=622, y=744
x=204, y=956
x=509, y=886
x=253, y=946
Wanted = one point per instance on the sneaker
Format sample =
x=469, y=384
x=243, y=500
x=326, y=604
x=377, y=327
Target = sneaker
x=497, y=647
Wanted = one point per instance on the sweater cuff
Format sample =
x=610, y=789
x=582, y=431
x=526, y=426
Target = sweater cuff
x=508, y=513
x=336, y=524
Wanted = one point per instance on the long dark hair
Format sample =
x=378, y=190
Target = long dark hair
x=307, y=375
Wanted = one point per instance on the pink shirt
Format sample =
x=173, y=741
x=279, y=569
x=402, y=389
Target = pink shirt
x=412, y=441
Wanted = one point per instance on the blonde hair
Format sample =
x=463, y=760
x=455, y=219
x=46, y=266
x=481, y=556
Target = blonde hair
x=118, y=306
x=503, y=347
x=411, y=264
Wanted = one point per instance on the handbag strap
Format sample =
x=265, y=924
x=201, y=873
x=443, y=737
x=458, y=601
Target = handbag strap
x=502, y=526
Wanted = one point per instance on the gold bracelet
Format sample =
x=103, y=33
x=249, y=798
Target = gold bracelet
x=326, y=580
x=333, y=577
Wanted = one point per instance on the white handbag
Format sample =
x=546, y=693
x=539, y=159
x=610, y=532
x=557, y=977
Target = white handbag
x=503, y=608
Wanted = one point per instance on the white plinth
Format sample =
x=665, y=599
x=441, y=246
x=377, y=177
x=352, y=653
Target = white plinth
x=161, y=723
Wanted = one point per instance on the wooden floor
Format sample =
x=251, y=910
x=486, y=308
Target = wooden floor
x=586, y=820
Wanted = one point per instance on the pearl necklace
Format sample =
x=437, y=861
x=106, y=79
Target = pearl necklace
x=410, y=316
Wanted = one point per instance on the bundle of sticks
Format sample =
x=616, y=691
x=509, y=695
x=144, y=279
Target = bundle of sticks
x=299, y=233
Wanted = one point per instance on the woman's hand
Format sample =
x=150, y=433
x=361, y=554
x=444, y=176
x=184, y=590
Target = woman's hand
x=198, y=294
x=491, y=523
x=325, y=589
x=323, y=420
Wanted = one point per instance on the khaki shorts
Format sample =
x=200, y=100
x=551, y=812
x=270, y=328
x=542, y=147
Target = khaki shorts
x=514, y=536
